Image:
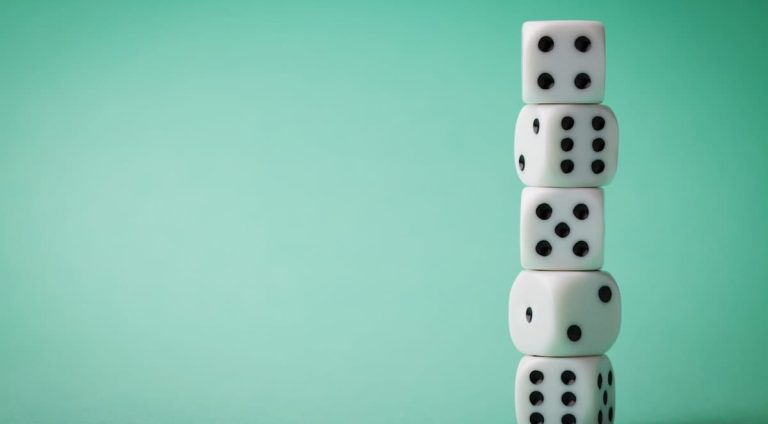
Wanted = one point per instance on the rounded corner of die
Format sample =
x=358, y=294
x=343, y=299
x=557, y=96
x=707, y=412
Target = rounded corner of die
x=608, y=177
x=528, y=26
x=606, y=274
x=595, y=24
x=599, y=194
x=529, y=95
x=525, y=27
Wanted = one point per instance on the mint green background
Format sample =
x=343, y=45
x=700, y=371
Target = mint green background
x=307, y=212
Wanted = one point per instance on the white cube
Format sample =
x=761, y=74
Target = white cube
x=561, y=229
x=563, y=62
x=566, y=145
x=565, y=390
x=564, y=313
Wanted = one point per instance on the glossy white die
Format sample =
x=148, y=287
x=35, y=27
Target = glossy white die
x=565, y=390
x=561, y=229
x=564, y=313
x=566, y=145
x=563, y=62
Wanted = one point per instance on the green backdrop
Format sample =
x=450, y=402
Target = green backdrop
x=307, y=212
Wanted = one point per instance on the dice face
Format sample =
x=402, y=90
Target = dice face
x=561, y=229
x=565, y=390
x=566, y=145
x=564, y=313
x=563, y=62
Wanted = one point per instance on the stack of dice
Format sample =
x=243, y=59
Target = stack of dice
x=564, y=313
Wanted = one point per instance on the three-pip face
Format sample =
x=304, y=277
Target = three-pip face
x=561, y=313
x=563, y=62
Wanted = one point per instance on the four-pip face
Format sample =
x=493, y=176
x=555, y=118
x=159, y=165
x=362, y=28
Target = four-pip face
x=563, y=62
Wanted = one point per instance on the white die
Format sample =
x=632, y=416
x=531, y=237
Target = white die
x=566, y=145
x=563, y=62
x=561, y=229
x=564, y=313
x=565, y=390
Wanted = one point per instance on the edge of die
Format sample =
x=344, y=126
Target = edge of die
x=531, y=26
x=523, y=278
x=533, y=189
x=595, y=23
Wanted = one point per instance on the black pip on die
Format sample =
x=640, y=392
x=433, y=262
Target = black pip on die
x=564, y=313
x=563, y=62
x=566, y=145
x=561, y=229
x=579, y=390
